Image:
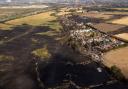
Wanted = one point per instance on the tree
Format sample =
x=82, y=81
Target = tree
x=117, y=73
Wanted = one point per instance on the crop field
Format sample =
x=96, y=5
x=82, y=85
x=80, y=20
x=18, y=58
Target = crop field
x=12, y=13
x=120, y=8
x=43, y=18
x=123, y=21
x=116, y=13
x=119, y=58
x=116, y=18
x=123, y=36
x=42, y=25
x=98, y=15
x=108, y=27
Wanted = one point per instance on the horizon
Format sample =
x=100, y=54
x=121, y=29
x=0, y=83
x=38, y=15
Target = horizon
x=61, y=1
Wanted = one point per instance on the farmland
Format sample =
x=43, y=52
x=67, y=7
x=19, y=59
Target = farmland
x=123, y=21
x=35, y=48
x=124, y=9
x=118, y=57
x=63, y=11
x=43, y=18
x=114, y=22
x=27, y=39
x=13, y=13
x=31, y=22
x=98, y=15
x=123, y=36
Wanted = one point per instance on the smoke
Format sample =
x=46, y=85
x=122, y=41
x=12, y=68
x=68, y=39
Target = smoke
x=8, y=0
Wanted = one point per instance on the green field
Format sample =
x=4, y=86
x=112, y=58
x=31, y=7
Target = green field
x=42, y=19
x=13, y=13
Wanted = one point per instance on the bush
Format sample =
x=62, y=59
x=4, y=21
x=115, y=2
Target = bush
x=117, y=73
x=53, y=14
x=72, y=10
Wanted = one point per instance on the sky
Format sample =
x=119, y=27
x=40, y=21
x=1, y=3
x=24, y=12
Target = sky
x=56, y=0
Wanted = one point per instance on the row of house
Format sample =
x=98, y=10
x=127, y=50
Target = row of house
x=89, y=40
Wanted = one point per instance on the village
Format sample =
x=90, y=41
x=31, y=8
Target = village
x=88, y=40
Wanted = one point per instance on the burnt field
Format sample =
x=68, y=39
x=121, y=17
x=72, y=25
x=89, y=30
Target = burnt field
x=21, y=73
x=65, y=68
x=14, y=72
x=37, y=57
